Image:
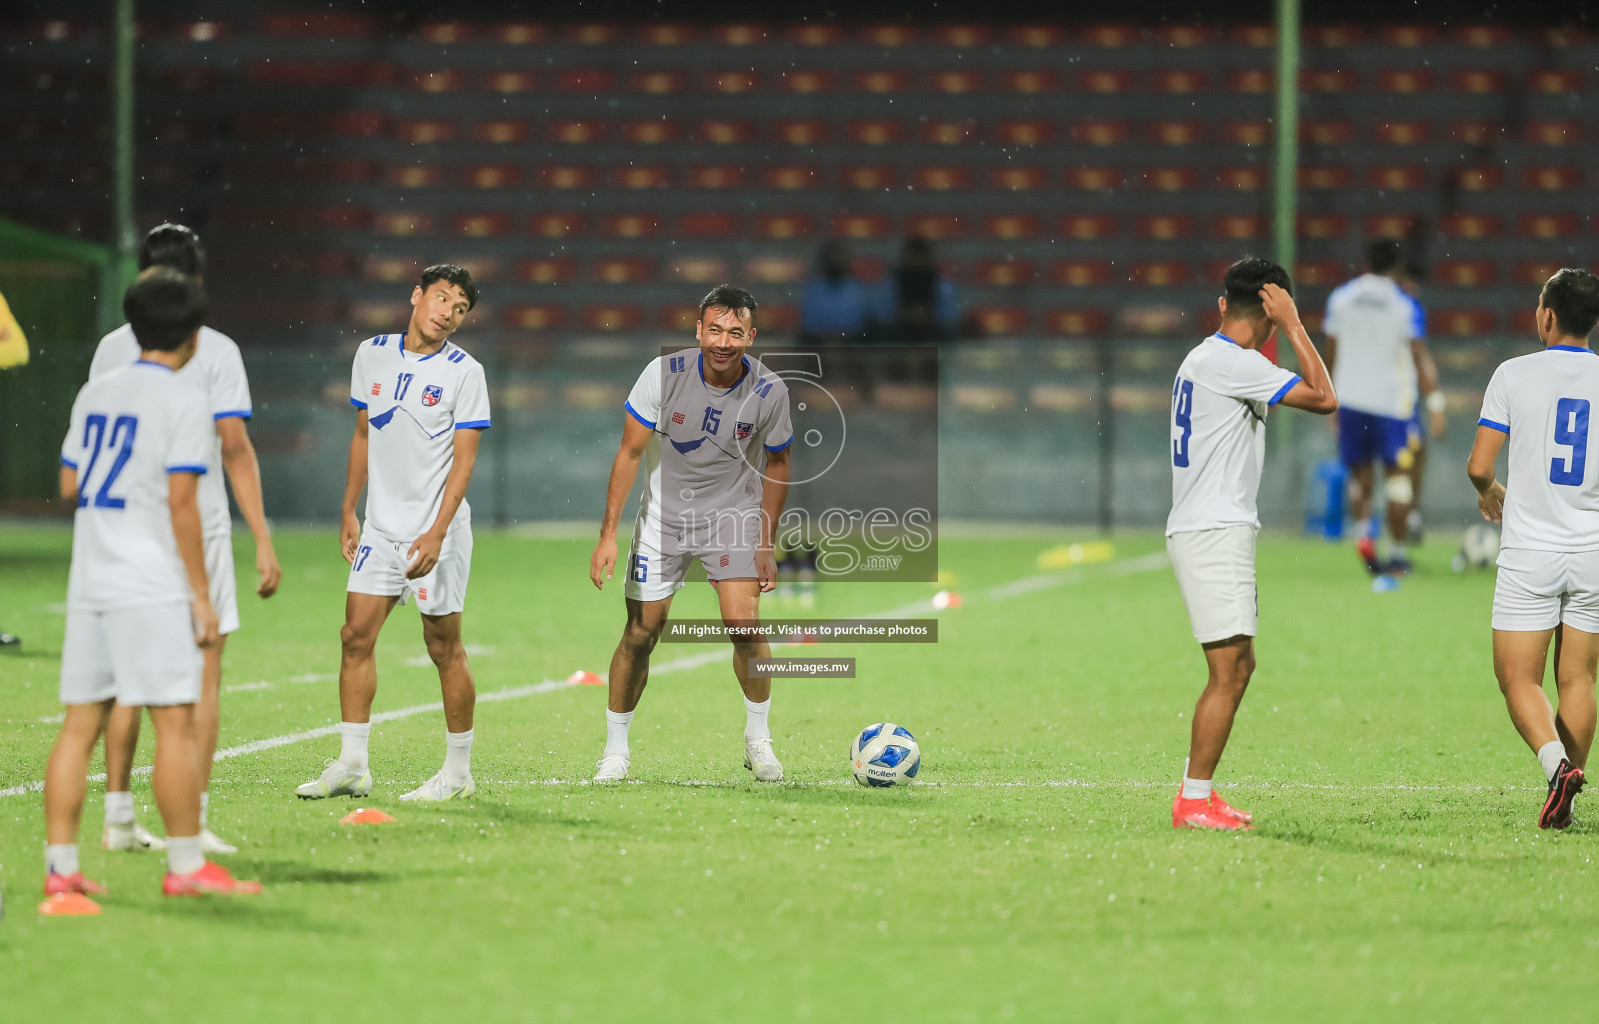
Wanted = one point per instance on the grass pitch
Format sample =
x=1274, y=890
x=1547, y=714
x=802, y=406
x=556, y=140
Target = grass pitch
x=1396, y=873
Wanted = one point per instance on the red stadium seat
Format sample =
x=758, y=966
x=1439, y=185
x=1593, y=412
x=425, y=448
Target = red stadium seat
x=482, y=225
x=320, y=74
x=1331, y=37
x=1181, y=83
x=1389, y=225
x=390, y=269
x=882, y=81
x=1076, y=322
x=1486, y=37
x=783, y=225
x=1555, y=82
x=1100, y=133
x=659, y=83
x=1461, y=322
x=1479, y=179
x=1000, y=319
x=1095, y=179
x=1408, y=36
x=667, y=34
x=632, y=225
x=1159, y=273
x=1329, y=81
x=776, y=269
x=725, y=132
x=545, y=271
x=1554, y=133
x=191, y=79
x=1241, y=179
x=1465, y=273
x=1404, y=81
x=1536, y=272
x=1547, y=225
x=318, y=25
x=555, y=225
x=594, y=34
x=1037, y=37
x=1401, y=133
x=807, y=82
x=1470, y=225
x=502, y=132
x=623, y=271
x=790, y=177
x=1397, y=178
x=565, y=176
x=612, y=318
x=869, y=177
x=490, y=175
x=866, y=269
x=1024, y=133
x=1030, y=82
x=1003, y=273
x=732, y=83
x=403, y=224
x=962, y=35
x=1259, y=36
x=56, y=30
x=1018, y=179
x=442, y=80
x=1164, y=227
x=1247, y=133
x=649, y=133
x=1475, y=133
x=1327, y=133
x=948, y=133
x=1186, y=37
x=1081, y=273
x=1334, y=176
x=942, y=179
x=683, y=318
x=1252, y=81
x=1087, y=227
x=1552, y=179
x=1109, y=37
x=592, y=82
x=739, y=35
x=511, y=81
x=1105, y=81
x=955, y=83
x=699, y=270
x=860, y=225
x=446, y=33
x=1176, y=133
x=519, y=33
x=1321, y=225
x=1010, y=226
x=414, y=176
x=874, y=133
x=575, y=133
x=1481, y=81
x=1318, y=273
x=715, y=176
x=641, y=177
x=1170, y=179
x=813, y=33
x=936, y=226
x=709, y=224
x=1239, y=226
x=888, y=36
x=802, y=133
x=425, y=131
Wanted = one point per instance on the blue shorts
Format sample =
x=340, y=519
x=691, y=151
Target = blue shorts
x=1365, y=437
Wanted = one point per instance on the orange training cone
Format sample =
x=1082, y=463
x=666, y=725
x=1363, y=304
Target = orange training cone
x=366, y=816
x=946, y=599
x=69, y=904
x=583, y=677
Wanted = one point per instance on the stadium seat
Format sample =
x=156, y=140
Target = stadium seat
x=1037, y=37
x=1547, y=225
x=813, y=33
x=545, y=271
x=594, y=34
x=1333, y=37
x=1169, y=179
x=575, y=133
x=1404, y=81
x=1159, y=273
x=807, y=82
x=490, y=175
x=402, y=224
x=1181, y=83
x=1087, y=227
x=446, y=33
x=683, y=318
x=535, y=318
x=873, y=133
x=1109, y=37
x=612, y=318
x=1484, y=37
x=1481, y=81
x=1389, y=225
x=962, y=35
x=555, y=225
x=1408, y=36
x=776, y=269
x=1465, y=273
x=708, y=225
x=1475, y=133
x=1000, y=320
x=657, y=82
x=1239, y=226
x=1018, y=179
x=1554, y=133
x=1100, y=133
x=783, y=225
x=1328, y=81
x=566, y=176
x=948, y=133
x=442, y=80
x=1030, y=82
x=623, y=271
x=511, y=81
x=424, y=132
x=1536, y=272
x=519, y=33
x=1551, y=179
x=1186, y=37
x=1551, y=82
x=649, y=133
x=888, y=36
x=1010, y=226
x=882, y=81
x=942, y=178
x=1251, y=81
x=1076, y=322
x=1470, y=225
x=1081, y=273
x=1321, y=225
x=1104, y=81
x=937, y=226
x=640, y=177
x=1164, y=227
x=318, y=25
x=1024, y=133
x=1401, y=133
x=502, y=132
x=482, y=225
x=331, y=74
x=860, y=225
x=715, y=176
x=1327, y=133
x=739, y=34
x=414, y=176
x=732, y=83
x=1247, y=133
x=1241, y=179
x=390, y=269
x=1260, y=37
x=632, y=225
x=1396, y=178
x=1095, y=179
x=790, y=177
x=1003, y=273
x=1176, y=133
x=1478, y=179
x=1318, y=273
x=867, y=176
x=590, y=82
x=190, y=79
x=955, y=83
x=802, y=133
x=1461, y=322
x=1334, y=176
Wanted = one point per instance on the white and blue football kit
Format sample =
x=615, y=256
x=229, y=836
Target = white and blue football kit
x=701, y=495
x=129, y=632
x=1218, y=447
x=1374, y=321
x=217, y=370
x=414, y=405
x=1549, y=547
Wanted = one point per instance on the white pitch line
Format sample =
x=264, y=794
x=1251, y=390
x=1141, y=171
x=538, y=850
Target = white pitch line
x=1143, y=563
x=1040, y=784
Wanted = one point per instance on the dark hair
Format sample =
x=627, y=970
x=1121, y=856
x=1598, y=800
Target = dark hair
x=175, y=246
x=1416, y=271
x=164, y=307
x=458, y=276
x=1573, y=294
x=727, y=296
x=1244, y=281
x=1382, y=255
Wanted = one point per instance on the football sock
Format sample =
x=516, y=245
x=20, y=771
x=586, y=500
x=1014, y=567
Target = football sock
x=1197, y=789
x=205, y=801
x=616, y=726
x=61, y=860
x=458, y=754
x=1550, y=755
x=354, y=736
x=118, y=808
x=755, y=724
x=1397, y=550
x=183, y=855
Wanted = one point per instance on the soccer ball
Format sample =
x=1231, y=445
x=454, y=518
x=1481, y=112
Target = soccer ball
x=885, y=754
x=1478, y=548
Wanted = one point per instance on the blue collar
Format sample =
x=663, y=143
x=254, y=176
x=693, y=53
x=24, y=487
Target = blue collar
x=425, y=358
x=1224, y=337
x=1568, y=348
x=743, y=359
x=152, y=362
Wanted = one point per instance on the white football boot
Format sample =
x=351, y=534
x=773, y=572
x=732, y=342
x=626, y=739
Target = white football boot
x=338, y=779
x=213, y=845
x=130, y=836
x=612, y=768
x=759, y=758
x=442, y=787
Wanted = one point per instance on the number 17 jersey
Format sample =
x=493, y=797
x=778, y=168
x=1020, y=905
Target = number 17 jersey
x=1544, y=402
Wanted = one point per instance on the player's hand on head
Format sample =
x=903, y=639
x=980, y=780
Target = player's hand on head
x=1280, y=308
x=424, y=555
x=266, y=563
x=602, y=562
x=207, y=630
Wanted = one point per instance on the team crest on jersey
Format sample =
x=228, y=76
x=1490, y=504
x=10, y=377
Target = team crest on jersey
x=431, y=394
x=741, y=430
x=677, y=418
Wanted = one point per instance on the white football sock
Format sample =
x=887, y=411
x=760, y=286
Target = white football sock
x=458, y=754
x=755, y=724
x=118, y=808
x=354, y=737
x=1397, y=550
x=205, y=801
x=183, y=855
x=61, y=860
x=1550, y=755
x=1197, y=789
x=616, y=725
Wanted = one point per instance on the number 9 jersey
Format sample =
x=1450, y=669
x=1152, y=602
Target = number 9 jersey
x=130, y=428
x=1543, y=401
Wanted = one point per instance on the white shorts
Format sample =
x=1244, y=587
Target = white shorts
x=1538, y=590
x=380, y=564
x=1216, y=574
x=139, y=656
x=224, y=588
x=655, y=575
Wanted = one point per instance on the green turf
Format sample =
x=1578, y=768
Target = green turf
x=1396, y=874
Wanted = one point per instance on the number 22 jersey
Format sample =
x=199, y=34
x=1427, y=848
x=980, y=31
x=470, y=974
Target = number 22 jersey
x=1544, y=402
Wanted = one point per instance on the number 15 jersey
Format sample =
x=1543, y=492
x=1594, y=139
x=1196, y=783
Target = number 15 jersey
x=1543, y=401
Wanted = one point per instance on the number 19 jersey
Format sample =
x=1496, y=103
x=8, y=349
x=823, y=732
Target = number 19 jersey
x=1544, y=401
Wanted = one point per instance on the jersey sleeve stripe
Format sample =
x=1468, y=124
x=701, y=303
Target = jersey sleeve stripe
x=199, y=470
x=779, y=447
x=68, y=463
x=242, y=414
x=1503, y=428
x=358, y=403
x=473, y=425
x=635, y=414
x=1282, y=392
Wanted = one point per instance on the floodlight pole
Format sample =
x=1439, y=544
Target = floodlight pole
x=125, y=238
x=1287, y=170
